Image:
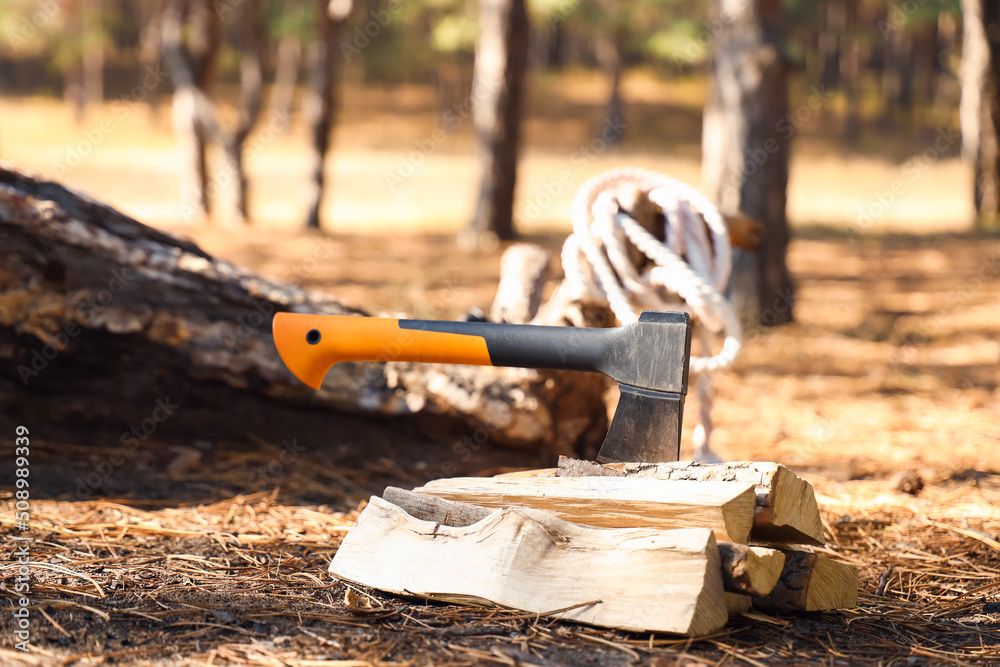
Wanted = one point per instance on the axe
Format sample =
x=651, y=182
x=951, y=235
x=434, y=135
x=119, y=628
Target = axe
x=649, y=360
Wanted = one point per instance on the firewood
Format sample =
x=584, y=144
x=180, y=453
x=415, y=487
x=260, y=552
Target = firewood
x=745, y=570
x=533, y=561
x=750, y=570
x=786, y=509
x=726, y=507
x=810, y=582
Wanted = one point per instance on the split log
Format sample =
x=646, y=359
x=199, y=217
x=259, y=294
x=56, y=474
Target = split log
x=750, y=570
x=101, y=315
x=810, y=582
x=745, y=570
x=786, y=510
x=531, y=560
x=725, y=507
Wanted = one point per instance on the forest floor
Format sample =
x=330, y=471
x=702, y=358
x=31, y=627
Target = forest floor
x=216, y=553
x=893, y=365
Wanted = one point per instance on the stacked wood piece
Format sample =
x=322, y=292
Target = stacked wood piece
x=644, y=547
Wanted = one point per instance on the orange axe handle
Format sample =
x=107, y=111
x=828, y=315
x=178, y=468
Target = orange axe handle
x=311, y=344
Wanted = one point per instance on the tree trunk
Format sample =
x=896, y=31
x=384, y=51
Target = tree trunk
x=609, y=53
x=745, y=147
x=497, y=91
x=102, y=316
x=251, y=83
x=980, y=106
x=829, y=43
x=286, y=75
x=73, y=91
x=93, y=54
x=319, y=105
x=850, y=72
x=192, y=67
x=897, y=72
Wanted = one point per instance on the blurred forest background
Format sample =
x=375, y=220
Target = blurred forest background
x=98, y=93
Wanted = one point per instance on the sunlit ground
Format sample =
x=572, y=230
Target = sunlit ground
x=391, y=170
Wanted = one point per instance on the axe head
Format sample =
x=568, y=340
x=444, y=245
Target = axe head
x=652, y=370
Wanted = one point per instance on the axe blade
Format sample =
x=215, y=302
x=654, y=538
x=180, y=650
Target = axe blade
x=646, y=427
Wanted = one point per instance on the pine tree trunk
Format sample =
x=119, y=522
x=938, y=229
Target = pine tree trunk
x=93, y=54
x=980, y=106
x=609, y=53
x=73, y=90
x=192, y=67
x=745, y=147
x=850, y=72
x=497, y=90
x=318, y=107
x=286, y=75
x=251, y=84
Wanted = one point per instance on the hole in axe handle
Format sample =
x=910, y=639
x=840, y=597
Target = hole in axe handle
x=646, y=427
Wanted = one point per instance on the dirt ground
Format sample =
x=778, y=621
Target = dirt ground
x=893, y=365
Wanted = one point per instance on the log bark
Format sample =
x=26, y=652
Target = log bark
x=497, y=89
x=980, y=105
x=535, y=562
x=725, y=507
x=100, y=316
x=745, y=153
x=786, y=509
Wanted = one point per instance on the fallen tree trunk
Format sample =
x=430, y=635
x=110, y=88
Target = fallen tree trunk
x=101, y=316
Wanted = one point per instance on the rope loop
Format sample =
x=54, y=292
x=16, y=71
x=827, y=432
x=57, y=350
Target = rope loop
x=693, y=263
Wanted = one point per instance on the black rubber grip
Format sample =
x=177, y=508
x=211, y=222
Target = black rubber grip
x=652, y=353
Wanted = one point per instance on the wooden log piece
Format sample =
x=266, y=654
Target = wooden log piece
x=786, y=509
x=750, y=570
x=745, y=570
x=810, y=582
x=725, y=507
x=533, y=561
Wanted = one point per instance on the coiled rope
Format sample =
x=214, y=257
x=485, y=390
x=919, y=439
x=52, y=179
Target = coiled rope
x=689, y=269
